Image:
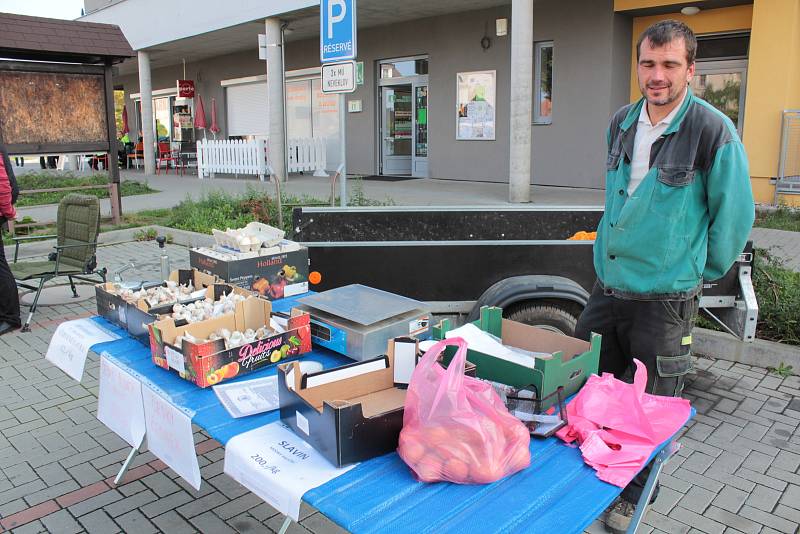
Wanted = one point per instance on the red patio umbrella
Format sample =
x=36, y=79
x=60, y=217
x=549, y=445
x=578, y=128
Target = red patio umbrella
x=125, y=128
x=200, y=116
x=214, y=126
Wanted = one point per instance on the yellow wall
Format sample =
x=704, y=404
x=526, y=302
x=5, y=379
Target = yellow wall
x=625, y=5
x=773, y=84
x=708, y=21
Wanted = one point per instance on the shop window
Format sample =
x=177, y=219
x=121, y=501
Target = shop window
x=543, y=83
x=406, y=67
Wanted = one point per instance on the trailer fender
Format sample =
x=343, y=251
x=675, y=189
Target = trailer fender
x=530, y=287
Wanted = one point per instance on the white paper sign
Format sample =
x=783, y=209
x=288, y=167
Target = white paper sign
x=278, y=466
x=70, y=345
x=119, y=404
x=169, y=436
x=175, y=359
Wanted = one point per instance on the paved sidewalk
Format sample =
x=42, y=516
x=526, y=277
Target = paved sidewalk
x=738, y=469
x=417, y=192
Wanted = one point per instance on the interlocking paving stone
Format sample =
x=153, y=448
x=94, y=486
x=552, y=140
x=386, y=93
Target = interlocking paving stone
x=697, y=499
x=730, y=499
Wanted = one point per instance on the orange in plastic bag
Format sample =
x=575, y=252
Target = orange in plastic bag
x=456, y=428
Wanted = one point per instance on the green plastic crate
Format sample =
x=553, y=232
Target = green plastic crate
x=572, y=363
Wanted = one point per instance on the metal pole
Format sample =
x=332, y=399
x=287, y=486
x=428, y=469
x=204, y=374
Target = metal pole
x=127, y=463
x=343, y=141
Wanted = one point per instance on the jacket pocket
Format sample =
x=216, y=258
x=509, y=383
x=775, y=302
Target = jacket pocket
x=671, y=191
x=679, y=176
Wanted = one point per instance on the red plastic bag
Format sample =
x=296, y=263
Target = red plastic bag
x=456, y=428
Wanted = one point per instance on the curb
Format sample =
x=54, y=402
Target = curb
x=759, y=353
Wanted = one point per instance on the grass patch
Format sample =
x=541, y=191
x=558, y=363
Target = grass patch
x=31, y=181
x=783, y=218
x=778, y=294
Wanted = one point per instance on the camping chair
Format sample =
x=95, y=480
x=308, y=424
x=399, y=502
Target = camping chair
x=78, y=224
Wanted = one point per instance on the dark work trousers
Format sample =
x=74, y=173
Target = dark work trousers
x=9, y=298
x=655, y=332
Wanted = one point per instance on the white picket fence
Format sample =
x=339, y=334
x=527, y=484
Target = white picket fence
x=251, y=157
x=307, y=154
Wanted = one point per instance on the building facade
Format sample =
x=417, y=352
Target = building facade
x=435, y=79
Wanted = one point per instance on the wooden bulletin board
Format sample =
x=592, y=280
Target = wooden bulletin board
x=54, y=108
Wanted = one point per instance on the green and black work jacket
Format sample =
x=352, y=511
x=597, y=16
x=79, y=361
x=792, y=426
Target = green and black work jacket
x=688, y=219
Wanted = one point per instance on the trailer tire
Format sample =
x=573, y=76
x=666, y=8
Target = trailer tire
x=544, y=316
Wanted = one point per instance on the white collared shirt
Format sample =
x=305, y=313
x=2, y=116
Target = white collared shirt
x=646, y=135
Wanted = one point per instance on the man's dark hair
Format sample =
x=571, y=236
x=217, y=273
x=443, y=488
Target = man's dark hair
x=665, y=31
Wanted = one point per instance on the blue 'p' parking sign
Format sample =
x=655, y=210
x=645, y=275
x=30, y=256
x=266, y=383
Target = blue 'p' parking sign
x=337, y=30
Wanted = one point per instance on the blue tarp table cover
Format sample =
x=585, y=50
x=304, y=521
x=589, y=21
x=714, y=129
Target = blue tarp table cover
x=558, y=493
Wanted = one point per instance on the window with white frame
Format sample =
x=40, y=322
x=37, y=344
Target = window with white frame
x=543, y=83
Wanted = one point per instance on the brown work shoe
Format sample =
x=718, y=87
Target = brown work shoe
x=618, y=516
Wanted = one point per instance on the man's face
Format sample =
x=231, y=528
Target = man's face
x=663, y=71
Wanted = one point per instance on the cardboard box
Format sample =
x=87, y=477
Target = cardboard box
x=349, y=419
x=273, y=276
x=135, y=316
x=210, y=363
x=569, y=364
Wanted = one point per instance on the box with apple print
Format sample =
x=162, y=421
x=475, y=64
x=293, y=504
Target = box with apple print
x=198, y=353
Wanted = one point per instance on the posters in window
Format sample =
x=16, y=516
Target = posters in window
x=475, y=105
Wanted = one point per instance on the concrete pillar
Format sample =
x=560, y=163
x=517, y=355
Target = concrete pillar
x=519, y=179
x=277, y=134
x=146, y=90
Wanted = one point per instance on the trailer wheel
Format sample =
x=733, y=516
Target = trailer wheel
x=545, y=316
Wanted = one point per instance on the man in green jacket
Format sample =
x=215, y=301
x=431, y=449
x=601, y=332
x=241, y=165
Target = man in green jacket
x=678, y=209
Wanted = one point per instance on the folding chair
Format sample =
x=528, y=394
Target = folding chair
x=78, y=224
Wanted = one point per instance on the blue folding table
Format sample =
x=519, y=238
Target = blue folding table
x=557, y=493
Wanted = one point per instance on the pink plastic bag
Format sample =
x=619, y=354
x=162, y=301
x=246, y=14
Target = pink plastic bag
x=618, y=425
x=456, y=428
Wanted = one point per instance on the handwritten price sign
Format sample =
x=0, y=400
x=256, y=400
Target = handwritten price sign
x=169, y=436
x=119, y=404
x=70, y=345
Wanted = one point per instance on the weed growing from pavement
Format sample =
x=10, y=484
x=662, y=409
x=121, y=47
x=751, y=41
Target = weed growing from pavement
x=782, y=370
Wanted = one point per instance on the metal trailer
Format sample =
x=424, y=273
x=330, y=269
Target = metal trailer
x=458, y=259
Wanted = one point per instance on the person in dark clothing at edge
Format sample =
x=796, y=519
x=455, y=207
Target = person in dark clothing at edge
x=9, y=298
x=678, y=208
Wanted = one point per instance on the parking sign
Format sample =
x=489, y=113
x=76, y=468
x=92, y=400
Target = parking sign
x=337, y=30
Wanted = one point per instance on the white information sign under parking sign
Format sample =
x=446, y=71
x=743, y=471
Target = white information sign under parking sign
x=339, y=77
x=278, y=466
x=169, y=436
x=119, y=403
x=70, y=345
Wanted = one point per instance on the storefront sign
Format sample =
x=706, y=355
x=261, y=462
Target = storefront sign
x=185, y=88
x=339, y=77
x=337, y=30
x=169, y=436
x=70, y=344
x=119, y=402
x=475, y=113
